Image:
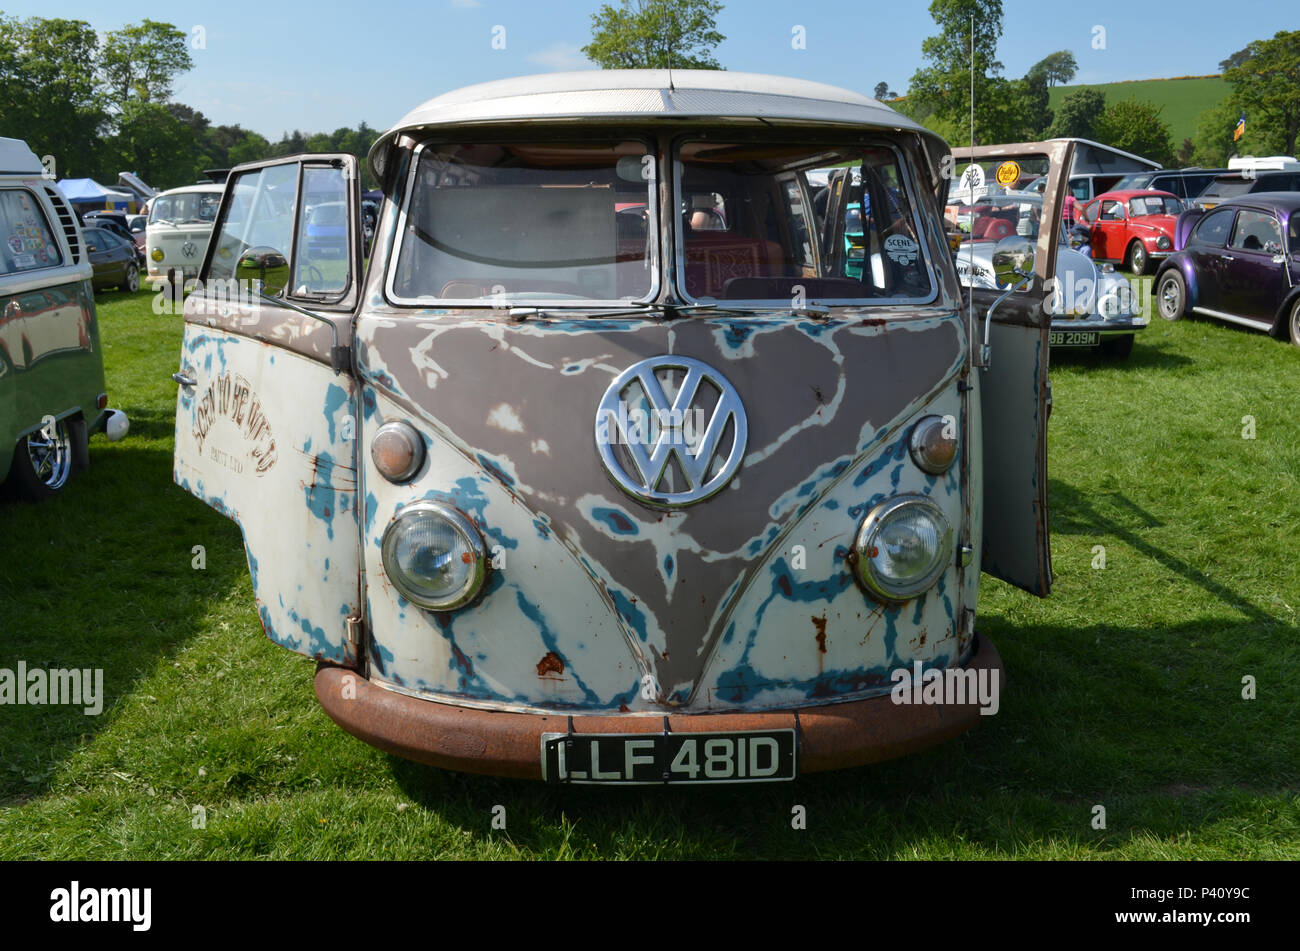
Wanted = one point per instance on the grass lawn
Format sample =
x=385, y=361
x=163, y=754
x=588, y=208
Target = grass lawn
x=1124, y=688
x=1182, y=100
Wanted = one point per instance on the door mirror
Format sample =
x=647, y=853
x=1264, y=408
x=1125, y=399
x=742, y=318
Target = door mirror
x=1013, y=260
x=265, y=265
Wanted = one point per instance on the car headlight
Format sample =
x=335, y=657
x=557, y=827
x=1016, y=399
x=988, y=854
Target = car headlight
x=156, y=254
x=434, y=555
x=1163, y=242
x=902, y=547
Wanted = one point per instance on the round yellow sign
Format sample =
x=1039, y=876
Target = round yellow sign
x=1008, y=173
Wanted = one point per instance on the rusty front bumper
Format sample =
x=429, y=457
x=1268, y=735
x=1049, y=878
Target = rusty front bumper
x=832, y=736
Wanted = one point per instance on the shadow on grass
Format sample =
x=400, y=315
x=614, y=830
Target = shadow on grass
x=1149, y=352
x=101, y=577
x=1149, y=720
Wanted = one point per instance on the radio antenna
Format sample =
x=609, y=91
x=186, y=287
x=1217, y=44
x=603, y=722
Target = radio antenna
x=970, y=245
x=668, y=39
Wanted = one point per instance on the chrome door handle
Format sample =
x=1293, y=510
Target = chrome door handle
x=184, y=380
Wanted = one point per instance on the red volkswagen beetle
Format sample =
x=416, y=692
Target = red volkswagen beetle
x=1135, y=227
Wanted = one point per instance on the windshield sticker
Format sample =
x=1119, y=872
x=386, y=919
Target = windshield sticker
x=901, y=249
x=1008, y=173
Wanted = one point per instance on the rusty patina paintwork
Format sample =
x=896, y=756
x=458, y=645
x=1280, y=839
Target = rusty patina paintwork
x=739, y=612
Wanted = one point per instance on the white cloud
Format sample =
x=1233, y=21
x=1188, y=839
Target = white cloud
x=561, y=56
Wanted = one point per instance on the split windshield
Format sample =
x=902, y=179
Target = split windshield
x=185, y=208
x=767, y=223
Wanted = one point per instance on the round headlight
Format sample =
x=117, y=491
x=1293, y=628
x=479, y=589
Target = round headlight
x=933, y=444
x=156, y=254
x=434, y=555
x=1163, y=242
x=903, y=547
x=397, y=451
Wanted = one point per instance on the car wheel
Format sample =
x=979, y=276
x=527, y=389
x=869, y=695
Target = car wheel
x=1137, y=258
x=132, y=282
x=44, y=461
x=1295, y=322
x=1117, y=348
x=1171, y=296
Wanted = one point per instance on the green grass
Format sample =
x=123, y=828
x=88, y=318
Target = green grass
x=1124, y=688
x=1182, y=100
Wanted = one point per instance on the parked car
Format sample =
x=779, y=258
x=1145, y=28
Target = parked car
x=1246, y=176
x=180, y=223
x=1239, y=262
x=122, y=226
x=565, y=488
x=113, y=259
x=1092, y=306
x=52, y=392
x=1136, y=227
x=1185, y=183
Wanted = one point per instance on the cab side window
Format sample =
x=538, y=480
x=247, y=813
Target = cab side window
x=1112, y=210
x=26, y=241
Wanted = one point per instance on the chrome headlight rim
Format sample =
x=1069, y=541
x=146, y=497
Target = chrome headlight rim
x=869, y=530
x=469, y=534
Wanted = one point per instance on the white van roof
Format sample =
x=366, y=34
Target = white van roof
x=1266, y=163
x=186, y=189
x=17, y=159
x=611, y=94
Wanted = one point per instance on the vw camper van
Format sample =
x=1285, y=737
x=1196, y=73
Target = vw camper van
x=177, y=233
x=52, y=392
x=615, y=465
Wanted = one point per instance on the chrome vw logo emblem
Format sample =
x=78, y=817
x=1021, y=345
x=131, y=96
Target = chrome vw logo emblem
x=671, y=430
x=189, y=249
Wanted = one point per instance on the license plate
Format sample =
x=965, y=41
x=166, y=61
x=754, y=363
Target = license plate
x=641, y=759
x=1073, y=338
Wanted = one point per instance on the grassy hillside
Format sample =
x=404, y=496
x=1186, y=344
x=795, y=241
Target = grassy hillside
x=1183, y=100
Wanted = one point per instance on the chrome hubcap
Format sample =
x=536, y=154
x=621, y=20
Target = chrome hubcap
x=51, y=459
x=1169, y=299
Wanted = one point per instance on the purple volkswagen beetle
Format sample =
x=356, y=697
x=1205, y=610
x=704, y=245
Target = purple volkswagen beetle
x=1238, y=262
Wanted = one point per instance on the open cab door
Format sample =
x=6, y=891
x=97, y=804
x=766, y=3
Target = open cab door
x=266, y=412
x=1013, y=385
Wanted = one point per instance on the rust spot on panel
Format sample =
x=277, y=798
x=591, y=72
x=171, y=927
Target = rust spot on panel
x=550, y=664
x=623, y=708
x=820, y=624
x=467, y=557
x=463, y=662
x=783, y=583
x=817, y=392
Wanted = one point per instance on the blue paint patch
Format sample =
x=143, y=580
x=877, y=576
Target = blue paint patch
x=372, y=504
x=493, y=467
x=336, y=398
x=668, y=565
x=618, y=521
x=320, y=493
x=629, y=612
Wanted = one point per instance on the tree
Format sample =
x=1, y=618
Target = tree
x=1236, y=59
x=1266, y=85
x=141, y=62
x=1136, y=127
x=883, y=92
x=1058, y=67
x=1078, y=114
x=49, y=94
x=1215, y=141
x=941, y=89
x=1185, y=152
x=655, y=34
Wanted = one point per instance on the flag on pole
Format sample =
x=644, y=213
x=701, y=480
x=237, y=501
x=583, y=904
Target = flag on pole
x=1238, y=132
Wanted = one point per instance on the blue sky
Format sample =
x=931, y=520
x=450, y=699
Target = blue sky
x=272, y=67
